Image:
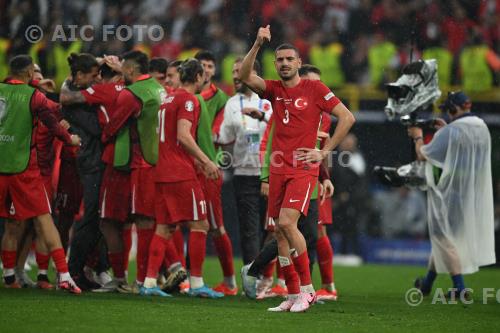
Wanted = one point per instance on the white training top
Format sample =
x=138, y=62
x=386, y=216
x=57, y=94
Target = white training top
x=245, y=132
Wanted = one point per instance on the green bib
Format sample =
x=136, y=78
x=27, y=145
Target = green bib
x=444, y=60
x=476, y=73
x=16, y=127
x=327, y=59
x=150, y=93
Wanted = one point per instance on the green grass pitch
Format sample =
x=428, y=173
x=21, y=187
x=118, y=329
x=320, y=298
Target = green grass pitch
x=371, y=299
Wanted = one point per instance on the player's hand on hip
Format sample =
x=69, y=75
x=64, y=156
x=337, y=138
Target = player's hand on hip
x=64, y=123
x=75, y=140
x=323, y=135
x=310, y=155
x=264, y=34
x=264, y=189
x=211, y=170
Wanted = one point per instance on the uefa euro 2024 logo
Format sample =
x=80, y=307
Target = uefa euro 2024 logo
x=3, y=109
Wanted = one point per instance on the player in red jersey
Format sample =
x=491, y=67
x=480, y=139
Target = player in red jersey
x=323, y=245
x=139, y=103
x=213, y=101
x=173, y=80
x=297, y=106
x=22, y=192
x=115, y=194
x=179, y=196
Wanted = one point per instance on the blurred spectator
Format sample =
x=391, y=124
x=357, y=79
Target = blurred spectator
x=403, y=213
x=351, y=195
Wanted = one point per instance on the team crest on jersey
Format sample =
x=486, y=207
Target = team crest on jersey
x=189, y=106
x=300, y=103
x=3, y=109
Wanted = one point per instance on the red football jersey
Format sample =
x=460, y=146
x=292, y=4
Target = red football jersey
x=174, y=162
x=297, y=112
x=104, y=94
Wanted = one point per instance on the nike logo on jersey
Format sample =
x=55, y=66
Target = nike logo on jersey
x=292, y=200
x=279, y=98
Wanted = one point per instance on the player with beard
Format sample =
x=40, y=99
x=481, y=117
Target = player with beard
x=179, y=197
x=115, y=195
x=22, y=192
x=212, y=101
x=297, y=106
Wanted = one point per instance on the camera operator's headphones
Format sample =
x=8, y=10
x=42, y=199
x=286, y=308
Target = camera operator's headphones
x=455, y=99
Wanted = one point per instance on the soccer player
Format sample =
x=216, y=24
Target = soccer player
x=212, y=101
x=140, y=102
x=179, y=197
x=115, y=194
x=158, y=70
x=297, y=107
x=22, y=192
x=323, y=246
x=173, y=80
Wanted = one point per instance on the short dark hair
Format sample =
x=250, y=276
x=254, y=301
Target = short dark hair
x=106, y=72
x=175, y=63
x=19, y=64
x=308, y=68
x=189, y=69
x=139, y=58
x=81, y=62
x=205, y=55
x=256, y=65
x=287, y=46
x=158, y=65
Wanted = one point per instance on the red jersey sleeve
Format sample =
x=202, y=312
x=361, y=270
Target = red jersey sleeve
x=269, y=91
x=325, y=98
x=99, y=94
x=127, y=105
x=46, y=110
x=186, y=108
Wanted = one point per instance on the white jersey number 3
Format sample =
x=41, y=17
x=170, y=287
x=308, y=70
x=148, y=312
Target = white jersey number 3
x=286, y=120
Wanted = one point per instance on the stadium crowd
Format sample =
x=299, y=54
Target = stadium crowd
x=363, y=41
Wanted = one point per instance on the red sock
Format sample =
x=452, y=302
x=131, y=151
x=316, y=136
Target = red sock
x=291, y=279
x=225, y=252
x=179, y=245
x=269, y=270
x=59, y=259
x=325, y=259
x=156, y=255
x=127, y=244
x=42, y=260
x=279, y=271
x=116, y=261
x=143, y=241
x=197, y=248
x=9, y=259
x=301, y=264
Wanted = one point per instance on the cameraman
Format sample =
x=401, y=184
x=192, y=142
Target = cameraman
x=459, y=195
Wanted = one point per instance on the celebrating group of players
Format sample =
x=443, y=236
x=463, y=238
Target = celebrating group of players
x=142, y=152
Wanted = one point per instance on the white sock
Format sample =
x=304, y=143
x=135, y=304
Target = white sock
x=196, y=282
x=230, y=281
x=281, y=283
x=64, y=277
x=8, y=272
x=292, y=297
x=307, y=289
x=149, y=282
x=42, y=272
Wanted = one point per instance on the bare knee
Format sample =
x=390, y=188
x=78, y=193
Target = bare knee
x=199, y=226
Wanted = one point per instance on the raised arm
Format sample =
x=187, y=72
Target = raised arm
x=70, y=97
x=253, y=81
